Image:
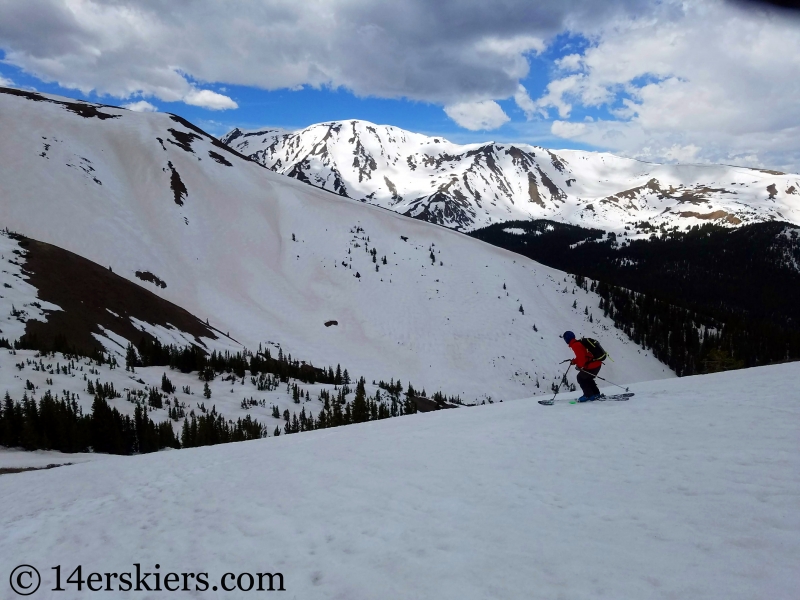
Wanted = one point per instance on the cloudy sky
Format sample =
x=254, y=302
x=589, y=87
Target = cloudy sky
x=668, y=80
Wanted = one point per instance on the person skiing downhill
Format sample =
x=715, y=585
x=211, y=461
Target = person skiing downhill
x=587, y=365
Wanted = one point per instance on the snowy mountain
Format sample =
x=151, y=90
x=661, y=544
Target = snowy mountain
x=688, y=490
x=469, y=187
x=270, y=260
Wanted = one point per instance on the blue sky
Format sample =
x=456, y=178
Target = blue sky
x=296, y=109
x=666, y=81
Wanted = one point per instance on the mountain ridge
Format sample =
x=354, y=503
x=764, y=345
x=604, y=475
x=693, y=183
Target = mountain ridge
x=466, y=187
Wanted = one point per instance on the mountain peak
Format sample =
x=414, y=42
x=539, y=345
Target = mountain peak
x=466, y=187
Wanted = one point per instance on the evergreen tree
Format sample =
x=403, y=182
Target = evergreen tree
x=154, y=398
x=360, y=411
x=166, y=385
x=131, y=357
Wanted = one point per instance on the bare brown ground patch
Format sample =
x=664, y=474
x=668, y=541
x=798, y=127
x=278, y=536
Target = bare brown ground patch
x=717, y=215
x=86, y=292
x=428, y=405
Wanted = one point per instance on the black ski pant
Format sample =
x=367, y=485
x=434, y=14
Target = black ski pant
x=587, y=382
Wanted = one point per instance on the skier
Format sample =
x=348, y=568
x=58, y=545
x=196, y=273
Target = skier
x=587, y=365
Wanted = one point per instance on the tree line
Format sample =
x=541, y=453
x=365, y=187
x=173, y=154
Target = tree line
x=150, y=352
x=59, y=424
x=703, y=300
x=55, y=423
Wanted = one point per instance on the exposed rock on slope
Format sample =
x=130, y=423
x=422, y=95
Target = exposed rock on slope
x=84, y=307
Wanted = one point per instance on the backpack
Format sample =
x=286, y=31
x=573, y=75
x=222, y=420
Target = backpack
x=594, y=348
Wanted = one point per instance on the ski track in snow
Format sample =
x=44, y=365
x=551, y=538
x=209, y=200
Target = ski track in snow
x=689, y=490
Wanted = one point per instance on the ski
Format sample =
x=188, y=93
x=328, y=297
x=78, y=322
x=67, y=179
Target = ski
x=624, y=396
x=611, y=398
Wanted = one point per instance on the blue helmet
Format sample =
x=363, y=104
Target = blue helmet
x=568, y=336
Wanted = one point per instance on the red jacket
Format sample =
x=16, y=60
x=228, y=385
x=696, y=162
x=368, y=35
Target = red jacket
x=583, y=358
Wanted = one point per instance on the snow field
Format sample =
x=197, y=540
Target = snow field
x=686, y=491
x=15, y=458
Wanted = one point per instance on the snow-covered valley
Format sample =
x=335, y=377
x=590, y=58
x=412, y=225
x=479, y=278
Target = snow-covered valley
x=688, y=490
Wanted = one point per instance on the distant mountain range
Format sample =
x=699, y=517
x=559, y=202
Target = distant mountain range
x=466, y=187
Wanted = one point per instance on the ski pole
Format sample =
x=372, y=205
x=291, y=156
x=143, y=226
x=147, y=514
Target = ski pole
x=602, y=379
x=563, y=380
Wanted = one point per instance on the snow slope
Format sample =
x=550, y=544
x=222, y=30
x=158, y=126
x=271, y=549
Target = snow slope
x=689, y=490
x=469, y=187
x=270, y=259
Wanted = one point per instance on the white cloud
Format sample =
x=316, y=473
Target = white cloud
x=516, y=46
x=570, y=62
x=5, y=82
x=699, y=81
x=682, y=154
x=524, y=101
x=445, y=52
x=484, y=115
x=674, y=73
x=567, y=129
x=210, y=100
x=140, y=106
x=560, y=93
